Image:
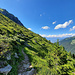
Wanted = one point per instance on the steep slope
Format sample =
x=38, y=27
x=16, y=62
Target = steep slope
x=10, y=16
x=69, y=44
x=45, y=57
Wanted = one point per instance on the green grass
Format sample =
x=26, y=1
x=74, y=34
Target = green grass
x=46, y=57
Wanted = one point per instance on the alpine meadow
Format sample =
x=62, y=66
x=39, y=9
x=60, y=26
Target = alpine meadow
x=46, y=58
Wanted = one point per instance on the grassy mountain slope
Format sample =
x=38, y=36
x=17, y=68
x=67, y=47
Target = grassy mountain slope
x=47, y=58
x=10, y=16
x=69, y=44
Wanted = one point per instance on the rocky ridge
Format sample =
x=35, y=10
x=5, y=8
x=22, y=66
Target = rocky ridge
x=10, y=16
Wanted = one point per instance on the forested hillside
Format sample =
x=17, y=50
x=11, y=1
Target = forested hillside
x=46, y=58
x=69, y=44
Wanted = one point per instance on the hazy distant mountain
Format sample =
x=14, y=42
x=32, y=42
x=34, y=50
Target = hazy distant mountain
x=69, y=44
x=10, y=16
x=54, y=39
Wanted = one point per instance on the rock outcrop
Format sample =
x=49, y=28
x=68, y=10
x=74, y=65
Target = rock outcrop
x=31, y=72
x=6, y=69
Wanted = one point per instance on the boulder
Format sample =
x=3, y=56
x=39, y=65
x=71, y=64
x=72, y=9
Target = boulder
x=31, y=72
x=6, y=69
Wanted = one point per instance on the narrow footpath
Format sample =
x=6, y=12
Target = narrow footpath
x=25, y=68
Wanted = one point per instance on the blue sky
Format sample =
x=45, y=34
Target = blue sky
x=49, y=18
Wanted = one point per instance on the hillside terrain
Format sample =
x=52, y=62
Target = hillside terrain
x=17, y=42
x=69, y=44
x=10, y=16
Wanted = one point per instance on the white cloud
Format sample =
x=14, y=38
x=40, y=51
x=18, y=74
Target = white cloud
x=63, y=25
x=29, y=28
x=73, y=28
x=60, y=35
x=54, y=22
x=45, y=27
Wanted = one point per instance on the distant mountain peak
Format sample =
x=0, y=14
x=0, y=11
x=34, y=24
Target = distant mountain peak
x=10, y=16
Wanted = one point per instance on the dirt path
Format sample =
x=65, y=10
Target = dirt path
x=25, y=68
